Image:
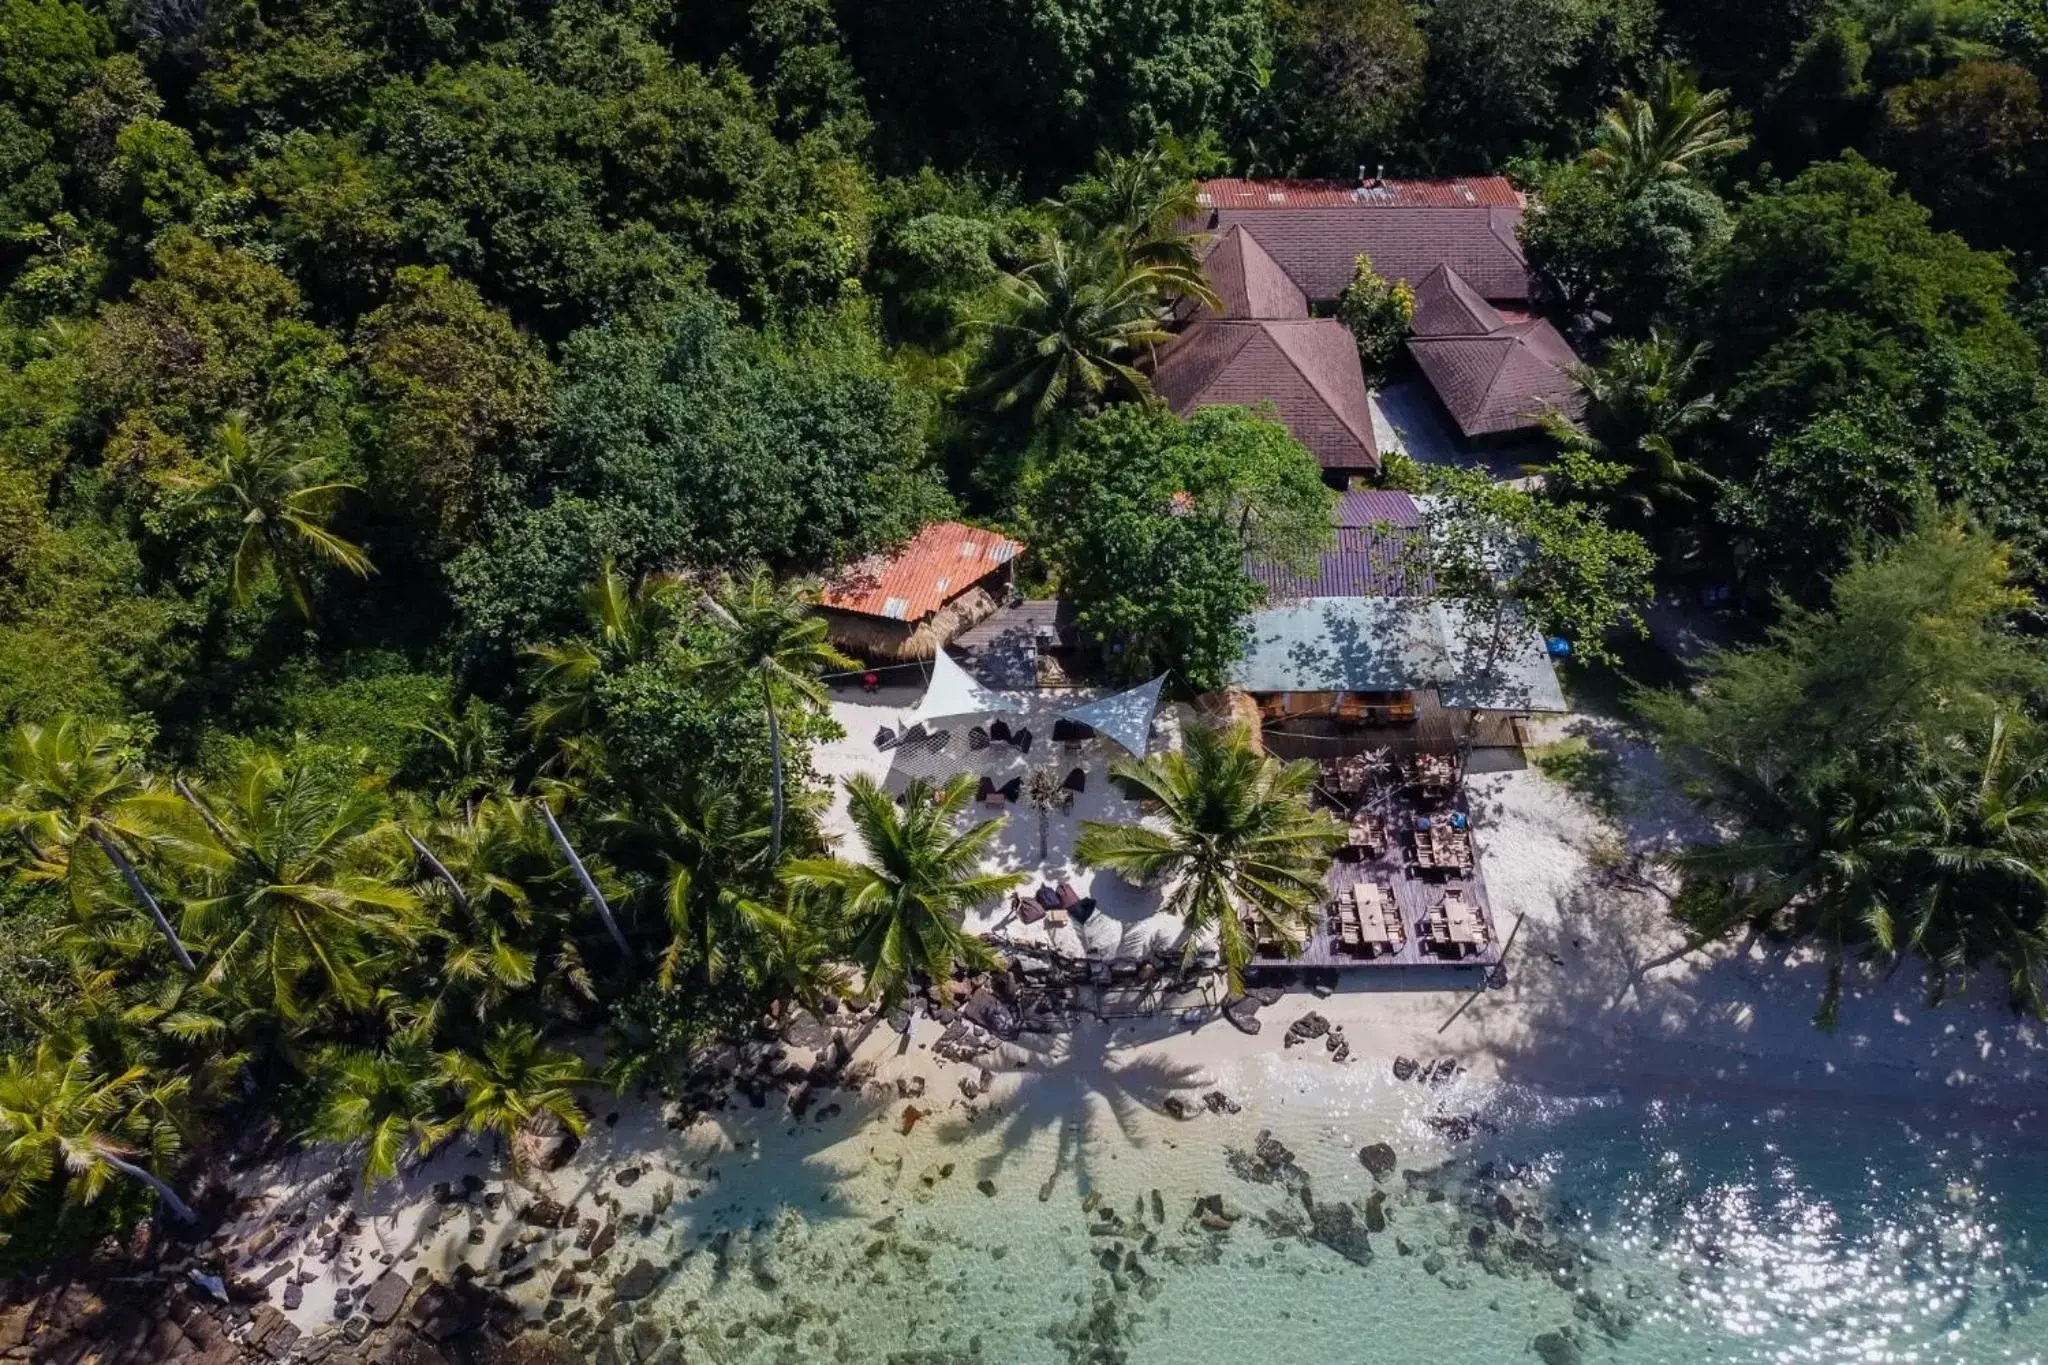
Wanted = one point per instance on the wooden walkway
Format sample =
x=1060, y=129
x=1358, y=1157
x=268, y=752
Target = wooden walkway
x=1414, y=893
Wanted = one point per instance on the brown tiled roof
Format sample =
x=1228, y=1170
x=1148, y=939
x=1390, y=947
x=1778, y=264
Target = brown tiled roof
x=1502, y=380
x=1375, y=553
x=1447, y=306
x=1319, y=247
x=1490, y=191
x=1307, y=368
x=939, y=563
x=1248, y=281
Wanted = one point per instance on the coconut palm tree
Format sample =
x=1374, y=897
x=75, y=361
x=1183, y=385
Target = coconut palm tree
x=1075, y=322
x=500, y=911
x=1141, y=206
x=62, y=1117
x=1673, y=131
x=390, y=1101
x=514, y=1086
x=1970, y=840
x=628, y=623
x=712, y=846
x=76, y=785
x=902, y=908
x=263, y=482
x=1236, y=841
x=1641, y=403
x=300, y=906
x=771, y=635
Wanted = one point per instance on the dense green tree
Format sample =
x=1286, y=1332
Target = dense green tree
x=1628, y=259
x=459, y=387
x=1877, y=799
x=1347, y=74
x=1144, y=519
x=1972, y=145
x=1241, y=855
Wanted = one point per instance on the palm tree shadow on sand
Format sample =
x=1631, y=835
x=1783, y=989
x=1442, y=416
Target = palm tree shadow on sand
x=1082, y=1087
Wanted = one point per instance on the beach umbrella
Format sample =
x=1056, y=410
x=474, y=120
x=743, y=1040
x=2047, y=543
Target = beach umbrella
x=1125, y=717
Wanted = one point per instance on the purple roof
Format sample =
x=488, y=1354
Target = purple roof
x=1375, y=540
x=1306, y=368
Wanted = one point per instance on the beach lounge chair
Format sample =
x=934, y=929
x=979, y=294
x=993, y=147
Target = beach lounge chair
x=1012, y=789
x=1028, y=910
x=1022, y=739
x=1075, y=781
x=1069, y=897
x=999, y=731
x=977, y=738
x=886, y=739
x=1071, y=732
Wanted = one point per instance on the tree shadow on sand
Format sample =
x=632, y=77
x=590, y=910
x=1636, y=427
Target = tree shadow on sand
x=1085, y=1088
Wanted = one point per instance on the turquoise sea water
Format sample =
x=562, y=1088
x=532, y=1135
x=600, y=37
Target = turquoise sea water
x=1608, y=1229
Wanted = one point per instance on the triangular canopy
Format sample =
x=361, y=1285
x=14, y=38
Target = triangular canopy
x=1125, y=717
x=952, y=692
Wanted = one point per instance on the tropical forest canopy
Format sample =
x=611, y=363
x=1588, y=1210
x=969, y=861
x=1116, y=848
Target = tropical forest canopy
x=421, y=422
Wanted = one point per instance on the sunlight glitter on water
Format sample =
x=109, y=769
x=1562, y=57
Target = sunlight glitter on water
x=1067, y=1228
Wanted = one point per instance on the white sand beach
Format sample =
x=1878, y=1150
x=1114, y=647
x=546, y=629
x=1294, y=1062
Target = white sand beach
x=1578, y=1014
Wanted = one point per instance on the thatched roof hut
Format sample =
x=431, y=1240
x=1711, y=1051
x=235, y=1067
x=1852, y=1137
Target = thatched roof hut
x=902, y=606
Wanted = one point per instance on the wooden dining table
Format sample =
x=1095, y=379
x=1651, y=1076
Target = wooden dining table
x=1461, y=921
x=1378, y=920
x=1434, y=770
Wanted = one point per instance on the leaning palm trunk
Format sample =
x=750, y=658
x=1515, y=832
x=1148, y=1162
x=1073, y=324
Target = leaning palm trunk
x=596, y=897
x=439, y=869
x=775, y=760
x=141, y=893
x=178, y=1207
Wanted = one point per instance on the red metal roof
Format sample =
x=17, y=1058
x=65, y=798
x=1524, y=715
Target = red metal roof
x=939, y=563
x=1485, y=191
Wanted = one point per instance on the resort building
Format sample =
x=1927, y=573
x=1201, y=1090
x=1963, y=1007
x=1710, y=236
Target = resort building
x=1282, y=252
x=1358, y=655
x=905, y=604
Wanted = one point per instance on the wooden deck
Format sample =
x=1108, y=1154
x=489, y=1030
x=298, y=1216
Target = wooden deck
x=1415, y=893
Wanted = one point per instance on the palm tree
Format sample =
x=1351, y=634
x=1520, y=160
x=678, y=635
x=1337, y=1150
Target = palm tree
x=61, y=1115
x=902, y=908
x=1971, y=840
x=629, y=623
x=1141, y=206
x=78, y=780
x=771, y=634
x=1075, y=321
x=299, y=903
x=514, y=1086
x=389, y=1101
x=1640, y=405
x=713, y=849
x=1672, y=131
x=1239, y=843
x=267, y=486
x=501, y=924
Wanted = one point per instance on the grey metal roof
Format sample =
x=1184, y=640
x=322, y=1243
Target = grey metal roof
x=1391, y=644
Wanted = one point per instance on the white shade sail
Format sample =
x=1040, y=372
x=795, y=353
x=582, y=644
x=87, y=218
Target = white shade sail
x=1125, y=717
x=954, y=692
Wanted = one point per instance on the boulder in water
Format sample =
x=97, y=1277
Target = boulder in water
x=1379, y=1158
x=1555, y=1348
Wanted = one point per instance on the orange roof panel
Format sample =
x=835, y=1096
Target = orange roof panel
x=1482, y=191
x=939, y=563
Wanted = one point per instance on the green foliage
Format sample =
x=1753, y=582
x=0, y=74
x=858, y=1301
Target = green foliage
x=1972, y=145
x=1349, y=74
x=1378, y=312
x=459, y=387
x=1144, y=519
x=1634, y=258
x=1880, y=797
x=1242, y=854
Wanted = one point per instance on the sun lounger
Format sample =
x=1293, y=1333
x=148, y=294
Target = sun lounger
x=977, y=739
x=999, y=731
x=886, y=739
x=1071, y=732
x=1069, y=897
x=1022, y=739
x=1012, y=789
x=1075, y=781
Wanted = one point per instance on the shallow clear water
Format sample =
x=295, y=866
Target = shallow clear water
x=1665, y=1232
